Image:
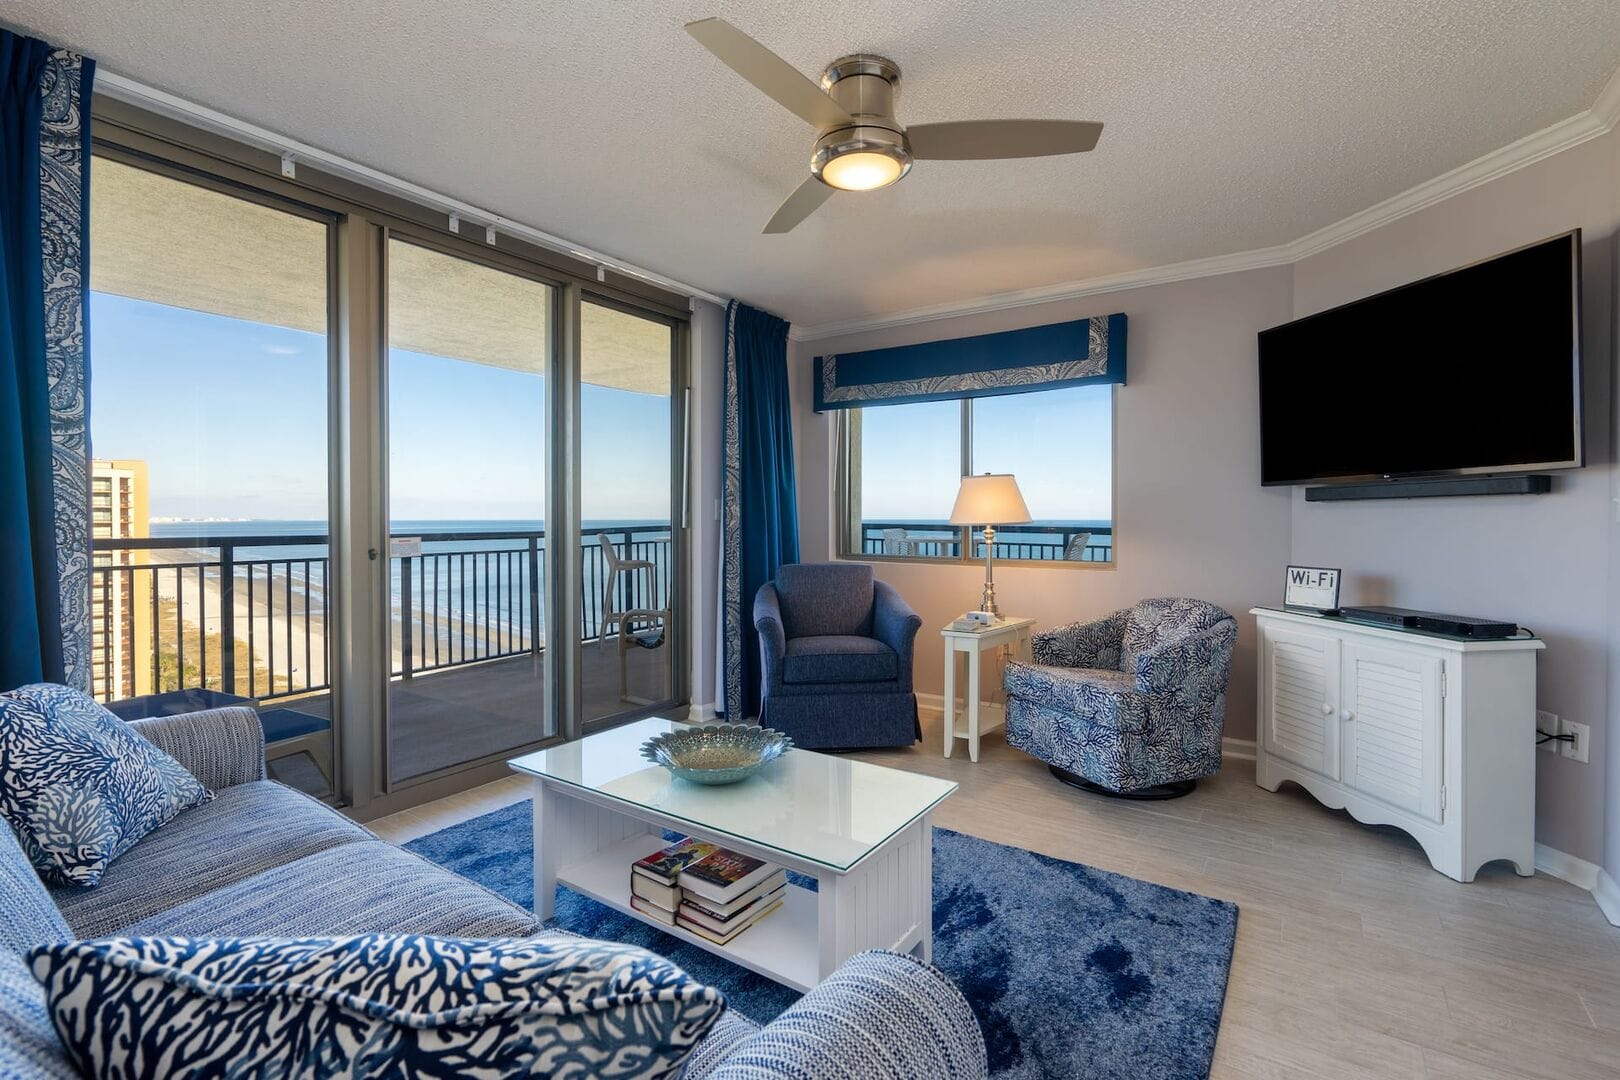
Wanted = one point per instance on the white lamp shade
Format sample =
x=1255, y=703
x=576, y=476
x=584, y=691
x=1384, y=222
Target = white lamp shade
x=989, y=499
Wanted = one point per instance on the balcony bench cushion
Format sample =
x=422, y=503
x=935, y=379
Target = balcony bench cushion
x=82, y=787
x=368, y=887
x=246, y=830
x=838, y=658
x=374, y=1005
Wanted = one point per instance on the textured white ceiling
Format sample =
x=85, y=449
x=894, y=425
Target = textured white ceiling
x=1230, y=125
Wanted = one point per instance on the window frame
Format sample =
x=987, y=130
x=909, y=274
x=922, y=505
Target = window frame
x=362, y=221
x=847, y=491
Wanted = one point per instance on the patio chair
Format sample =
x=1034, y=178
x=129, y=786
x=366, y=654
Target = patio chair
x=611, y=616
x=1075, y=549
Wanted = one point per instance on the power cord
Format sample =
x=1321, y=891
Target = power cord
x=1568, y=737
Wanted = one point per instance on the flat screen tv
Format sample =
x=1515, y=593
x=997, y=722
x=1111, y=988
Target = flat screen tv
x=1474, y=371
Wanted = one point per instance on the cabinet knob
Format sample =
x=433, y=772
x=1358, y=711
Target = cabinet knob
x=1327, y=710
x=1347, y=716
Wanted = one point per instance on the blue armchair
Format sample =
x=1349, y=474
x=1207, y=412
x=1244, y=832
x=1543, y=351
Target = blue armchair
x=836, y=648
x=1131, y=705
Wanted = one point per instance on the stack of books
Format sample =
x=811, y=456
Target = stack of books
x=654, y=880
x=706, y=889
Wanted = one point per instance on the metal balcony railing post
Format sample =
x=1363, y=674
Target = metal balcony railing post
x=534, y=591
x=405, y=616
x=227, y=617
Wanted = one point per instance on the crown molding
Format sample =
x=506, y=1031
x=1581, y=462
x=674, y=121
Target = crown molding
x=1257, y=259
x=1600, y=119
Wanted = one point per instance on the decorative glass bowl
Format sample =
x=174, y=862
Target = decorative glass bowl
x=716, y=753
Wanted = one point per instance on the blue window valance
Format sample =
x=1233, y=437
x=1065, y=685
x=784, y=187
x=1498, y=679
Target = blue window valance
x=1010, y=362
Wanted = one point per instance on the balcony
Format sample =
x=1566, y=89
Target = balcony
x=249, y=615
x=1072, y=542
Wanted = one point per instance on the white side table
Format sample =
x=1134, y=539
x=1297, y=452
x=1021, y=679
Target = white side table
x=1010, y=632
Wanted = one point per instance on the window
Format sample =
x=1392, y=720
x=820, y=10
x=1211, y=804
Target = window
x=904, y=463
x=208, y=410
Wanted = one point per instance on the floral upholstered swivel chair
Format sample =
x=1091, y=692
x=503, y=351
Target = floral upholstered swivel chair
x=1131, y=705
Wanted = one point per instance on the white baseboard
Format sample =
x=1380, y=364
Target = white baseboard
x=701, y=714
x=1242, y=749
x=1583, y=875
x=1607, y=894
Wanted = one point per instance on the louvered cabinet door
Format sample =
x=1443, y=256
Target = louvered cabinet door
x=1301, y=699
x=1393, y=719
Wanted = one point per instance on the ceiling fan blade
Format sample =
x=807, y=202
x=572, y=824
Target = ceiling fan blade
x=974, y=140
x=804, y=201
x=779, y=79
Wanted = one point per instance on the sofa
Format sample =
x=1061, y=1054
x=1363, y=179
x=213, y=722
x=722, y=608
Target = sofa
x=836, y=648
x=263, y=859
x=1131, y=705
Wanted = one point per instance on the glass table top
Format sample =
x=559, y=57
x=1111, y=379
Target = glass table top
x=822, y=808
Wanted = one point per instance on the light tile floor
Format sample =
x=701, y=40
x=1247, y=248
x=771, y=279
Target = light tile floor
x=1354, y=958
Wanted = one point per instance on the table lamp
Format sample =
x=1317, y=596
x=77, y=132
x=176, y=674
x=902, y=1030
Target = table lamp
x=989, y=500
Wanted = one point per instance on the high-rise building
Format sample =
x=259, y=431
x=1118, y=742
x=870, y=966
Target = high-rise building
x=120, y=599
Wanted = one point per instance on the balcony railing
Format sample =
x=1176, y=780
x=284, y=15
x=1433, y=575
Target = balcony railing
x=1056, y=543
x=250, y=614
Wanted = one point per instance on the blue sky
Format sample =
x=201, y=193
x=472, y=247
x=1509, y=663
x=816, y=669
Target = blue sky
x=230, y=417
x=1058, y=444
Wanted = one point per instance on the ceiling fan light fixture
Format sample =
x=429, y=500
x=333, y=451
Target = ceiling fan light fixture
x=861, y=159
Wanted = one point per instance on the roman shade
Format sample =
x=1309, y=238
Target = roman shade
x=1009, y=362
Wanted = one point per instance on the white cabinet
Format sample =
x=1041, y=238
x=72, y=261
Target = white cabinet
x=1431, y=734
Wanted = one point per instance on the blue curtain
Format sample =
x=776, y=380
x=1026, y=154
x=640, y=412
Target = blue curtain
x=1076, y=353
x=760, y=509
x=44, y=485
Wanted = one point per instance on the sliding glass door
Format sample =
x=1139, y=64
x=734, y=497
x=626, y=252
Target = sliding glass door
x=628, y=467
x=469, y=348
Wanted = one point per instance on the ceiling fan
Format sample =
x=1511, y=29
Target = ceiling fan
x=860, y=145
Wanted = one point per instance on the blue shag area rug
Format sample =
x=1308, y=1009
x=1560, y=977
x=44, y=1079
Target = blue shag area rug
x=1072, y=971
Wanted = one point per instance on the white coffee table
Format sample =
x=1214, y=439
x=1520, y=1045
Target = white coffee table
x=862, y=831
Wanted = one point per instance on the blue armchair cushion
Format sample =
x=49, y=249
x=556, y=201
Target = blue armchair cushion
x=82, y=786
x=1157, y=622
x=1104, y=697
x=826, y=599
x=838, y=658
x=373, y=1005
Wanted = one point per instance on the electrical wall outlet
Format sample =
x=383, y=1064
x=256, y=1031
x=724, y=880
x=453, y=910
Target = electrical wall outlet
x=1546, y=724
x=1583, y=738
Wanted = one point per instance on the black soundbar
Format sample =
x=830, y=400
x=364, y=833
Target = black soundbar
x=1517, y=484
x=1433, y=622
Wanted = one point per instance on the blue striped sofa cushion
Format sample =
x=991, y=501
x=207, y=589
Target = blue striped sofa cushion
x=28, y=1043
x=375, y=1005
x=245, y=831
x=363, y=888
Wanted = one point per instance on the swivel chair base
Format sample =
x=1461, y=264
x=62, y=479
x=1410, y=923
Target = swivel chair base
x=1158, y=792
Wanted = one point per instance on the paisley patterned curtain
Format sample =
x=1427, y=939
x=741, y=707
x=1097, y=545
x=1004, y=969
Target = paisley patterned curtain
x=44, y=439
x=1075, y=353
x=760, y=509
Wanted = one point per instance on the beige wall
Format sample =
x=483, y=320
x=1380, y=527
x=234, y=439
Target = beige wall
x=1541, y=561
x=1190, y=516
